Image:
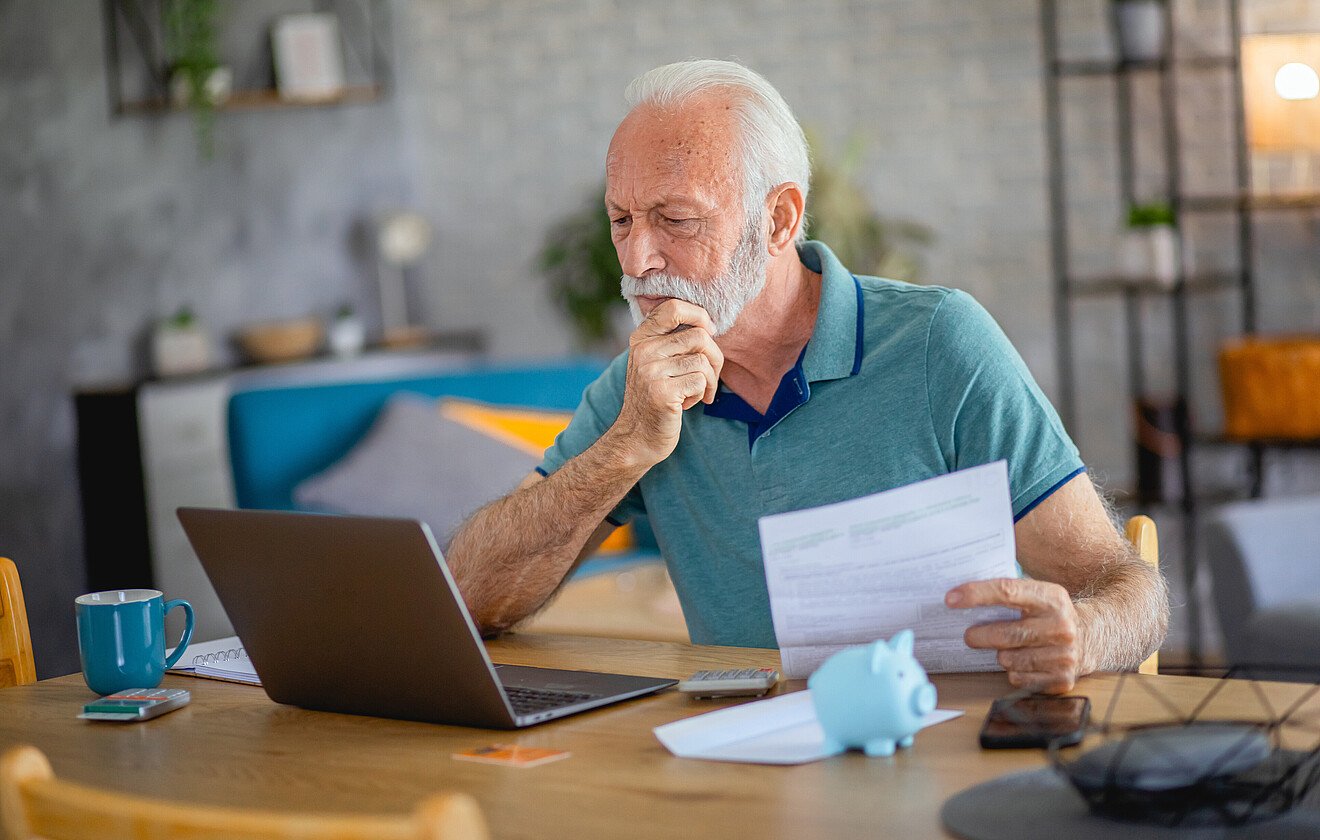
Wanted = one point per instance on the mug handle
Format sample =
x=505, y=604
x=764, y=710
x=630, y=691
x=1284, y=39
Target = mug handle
x=187, y=630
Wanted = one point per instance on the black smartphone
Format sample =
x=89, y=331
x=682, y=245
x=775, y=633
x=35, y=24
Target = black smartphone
x=1017, y=722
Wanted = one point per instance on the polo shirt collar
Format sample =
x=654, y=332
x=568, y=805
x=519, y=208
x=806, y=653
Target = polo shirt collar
x=835, y=348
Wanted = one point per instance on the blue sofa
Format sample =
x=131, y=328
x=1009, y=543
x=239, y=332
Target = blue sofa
x=280, y=436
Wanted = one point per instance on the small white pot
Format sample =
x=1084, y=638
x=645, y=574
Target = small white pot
x=1141, y=35
x=1163, y=254
x=1151, y=253
x=176, y=351
x=219, y=86
x=347, y=336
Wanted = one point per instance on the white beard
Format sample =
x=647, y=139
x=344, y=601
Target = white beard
x=723, y=297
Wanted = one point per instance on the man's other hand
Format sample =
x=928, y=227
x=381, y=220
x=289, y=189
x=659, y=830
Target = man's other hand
x=1043, y=649
x=673, y=364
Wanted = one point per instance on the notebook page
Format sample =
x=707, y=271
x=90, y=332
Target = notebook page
x=223, y=659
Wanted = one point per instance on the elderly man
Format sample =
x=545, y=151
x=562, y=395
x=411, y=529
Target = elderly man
x=764, y=377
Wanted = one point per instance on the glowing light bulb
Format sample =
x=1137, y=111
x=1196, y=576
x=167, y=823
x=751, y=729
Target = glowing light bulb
x=1297, y=81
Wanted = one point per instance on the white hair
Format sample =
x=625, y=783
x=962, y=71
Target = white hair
x=774, y=149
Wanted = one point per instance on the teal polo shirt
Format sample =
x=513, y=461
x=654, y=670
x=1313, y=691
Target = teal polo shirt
x=898, y=383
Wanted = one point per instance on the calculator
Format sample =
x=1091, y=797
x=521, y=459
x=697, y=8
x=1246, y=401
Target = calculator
x=745, y=682
x=136, y=704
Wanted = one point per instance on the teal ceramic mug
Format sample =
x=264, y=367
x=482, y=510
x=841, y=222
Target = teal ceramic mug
x=121, y=637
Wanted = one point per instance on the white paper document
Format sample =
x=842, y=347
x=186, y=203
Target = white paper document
x=850, y=573
x=781, y=730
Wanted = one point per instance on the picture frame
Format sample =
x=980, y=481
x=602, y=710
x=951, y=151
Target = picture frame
x=308, y=56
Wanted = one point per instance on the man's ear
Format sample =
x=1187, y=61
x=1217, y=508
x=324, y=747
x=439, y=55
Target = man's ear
x=786, y=216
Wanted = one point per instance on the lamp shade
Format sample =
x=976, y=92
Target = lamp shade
x=1279, y=91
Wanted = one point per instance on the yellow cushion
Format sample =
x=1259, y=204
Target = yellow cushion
x=529, y=429
x=523, y=428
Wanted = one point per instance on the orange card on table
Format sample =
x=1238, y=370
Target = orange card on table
x=511, y=755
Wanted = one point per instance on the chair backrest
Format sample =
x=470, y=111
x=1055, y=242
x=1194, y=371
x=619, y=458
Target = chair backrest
x=35, y=804
x=16, y=665
x=1262, y=554
x=1141, y=533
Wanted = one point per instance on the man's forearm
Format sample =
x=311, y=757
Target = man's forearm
x=1123, y=616
x=509, y=557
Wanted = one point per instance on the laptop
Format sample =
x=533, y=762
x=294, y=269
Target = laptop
x=361, y=615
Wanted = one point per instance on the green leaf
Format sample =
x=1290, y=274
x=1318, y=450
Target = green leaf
x=840, y=215
x=1149, y=215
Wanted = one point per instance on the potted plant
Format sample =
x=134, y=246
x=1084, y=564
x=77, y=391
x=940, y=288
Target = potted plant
x=1150, y=245
x=180, y=344
x=579, y=260
x=197, y=79
x=1142, y=34
x=347, y=334
x=841, y=215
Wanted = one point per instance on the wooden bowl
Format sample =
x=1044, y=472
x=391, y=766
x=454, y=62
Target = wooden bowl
x=281, y=341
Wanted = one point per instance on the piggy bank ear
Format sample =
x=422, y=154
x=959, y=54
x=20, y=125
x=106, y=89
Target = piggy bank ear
x=880, y=653
x=902, y=642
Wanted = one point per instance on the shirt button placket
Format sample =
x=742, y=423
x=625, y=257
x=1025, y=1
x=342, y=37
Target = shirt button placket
x=770, y=482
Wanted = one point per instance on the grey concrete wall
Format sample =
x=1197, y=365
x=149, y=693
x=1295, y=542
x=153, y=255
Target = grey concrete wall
x=108, y=224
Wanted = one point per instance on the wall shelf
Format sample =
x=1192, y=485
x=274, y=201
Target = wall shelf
x=1109, y=67
x=1248, y=201
x=260, y=100
x=1106, y=286
x=138, y=71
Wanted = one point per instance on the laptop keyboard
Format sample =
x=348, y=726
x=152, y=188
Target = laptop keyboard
x=529, y=701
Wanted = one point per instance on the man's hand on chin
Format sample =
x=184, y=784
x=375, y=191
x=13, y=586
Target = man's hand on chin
x=1043, y=650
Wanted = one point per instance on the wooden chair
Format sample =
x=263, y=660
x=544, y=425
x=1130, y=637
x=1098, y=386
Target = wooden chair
x=35, y=804
x=1141, y=533
x=16, y=665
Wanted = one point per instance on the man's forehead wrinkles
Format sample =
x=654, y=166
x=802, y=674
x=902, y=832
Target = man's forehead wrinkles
x=681, y=165
x=675, y=161
x=671, y=160
x=663, y=201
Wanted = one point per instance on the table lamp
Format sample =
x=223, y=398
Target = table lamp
x=1281, y=97
x=402, y=237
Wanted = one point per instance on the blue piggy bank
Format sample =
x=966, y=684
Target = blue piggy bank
x=872, y=697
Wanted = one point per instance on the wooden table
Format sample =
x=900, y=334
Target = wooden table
x=233, y=746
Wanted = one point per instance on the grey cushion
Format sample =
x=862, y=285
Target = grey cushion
x=1285, y=635
x=1265, y=566
x=416, y=464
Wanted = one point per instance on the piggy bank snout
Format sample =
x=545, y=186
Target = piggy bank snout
x=923, y=699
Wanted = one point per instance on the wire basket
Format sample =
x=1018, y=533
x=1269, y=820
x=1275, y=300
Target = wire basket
x=1195, y=766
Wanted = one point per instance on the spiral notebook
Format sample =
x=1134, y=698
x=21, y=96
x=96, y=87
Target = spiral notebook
x=223, y=659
